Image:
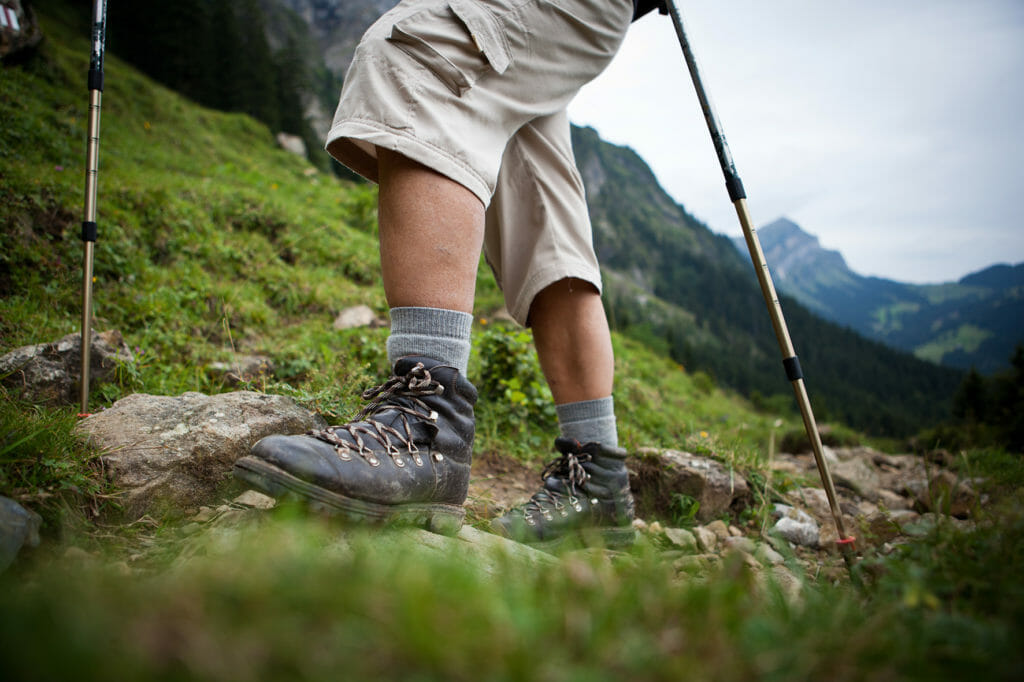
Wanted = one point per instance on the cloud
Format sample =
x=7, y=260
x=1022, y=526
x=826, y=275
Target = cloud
x=893, y=131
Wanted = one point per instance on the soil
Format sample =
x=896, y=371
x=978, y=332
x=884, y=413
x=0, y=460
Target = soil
x=499, y=483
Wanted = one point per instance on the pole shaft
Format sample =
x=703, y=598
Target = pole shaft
x=764, y=278
x=95, y=83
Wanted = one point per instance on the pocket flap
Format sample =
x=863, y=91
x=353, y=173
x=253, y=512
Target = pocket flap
x=486, y=32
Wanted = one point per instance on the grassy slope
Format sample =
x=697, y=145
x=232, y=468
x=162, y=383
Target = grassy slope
x=211, y=239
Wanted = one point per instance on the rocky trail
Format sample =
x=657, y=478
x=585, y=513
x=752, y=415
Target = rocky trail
x=171, y=457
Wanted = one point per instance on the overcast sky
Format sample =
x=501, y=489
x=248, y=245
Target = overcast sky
x=892, y=130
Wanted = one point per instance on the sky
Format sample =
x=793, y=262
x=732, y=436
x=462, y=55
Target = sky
x=893, y=131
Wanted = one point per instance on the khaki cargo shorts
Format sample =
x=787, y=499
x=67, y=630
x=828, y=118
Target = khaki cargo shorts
x=477, y=90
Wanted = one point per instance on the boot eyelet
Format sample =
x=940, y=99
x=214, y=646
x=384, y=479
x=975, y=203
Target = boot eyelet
x=418, y=460
x=343, y=455
x=374, y=462
x=563, y=512
x=593, y=501
x=577, y=506
x=433, y=415
x=547, y=516
x=438, y=456
x=398, y=462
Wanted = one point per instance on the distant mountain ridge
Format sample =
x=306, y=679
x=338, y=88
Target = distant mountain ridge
x=975, y=322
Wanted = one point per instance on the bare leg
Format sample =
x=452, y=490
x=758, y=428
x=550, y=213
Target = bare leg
x=570, y=331
x=431, y=234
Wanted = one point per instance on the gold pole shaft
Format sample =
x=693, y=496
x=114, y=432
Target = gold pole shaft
x=764, y=278
x=91, y=185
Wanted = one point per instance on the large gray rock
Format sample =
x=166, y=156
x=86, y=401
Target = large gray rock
x=658, y=476
x=173, y=454
x=51, y=372
x=18, y=527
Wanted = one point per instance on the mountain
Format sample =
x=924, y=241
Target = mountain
x=975, y=322
x=673, y=283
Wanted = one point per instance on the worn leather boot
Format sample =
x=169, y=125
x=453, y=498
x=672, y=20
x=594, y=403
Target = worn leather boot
x=585, y=499
x=405, y=458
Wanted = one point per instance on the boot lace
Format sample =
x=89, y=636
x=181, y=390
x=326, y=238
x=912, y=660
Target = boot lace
x=413, y=385
x=568, y=468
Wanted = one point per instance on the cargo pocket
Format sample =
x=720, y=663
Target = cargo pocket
x=459, y=42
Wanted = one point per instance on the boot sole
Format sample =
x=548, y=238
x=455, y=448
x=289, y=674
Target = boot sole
x=608, y=537
x=443, y=519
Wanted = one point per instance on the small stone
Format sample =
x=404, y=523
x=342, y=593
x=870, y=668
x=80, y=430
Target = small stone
x=767, y=556
x=78, y=554
x=655, y=528
x=640, y=525
x=357, y=316
x=680, y=537
x=734, y=531
x=256, y=500
x=719, y=528
x=204, y=515
x=801, y=533
x=706, y=538
x=740, y=544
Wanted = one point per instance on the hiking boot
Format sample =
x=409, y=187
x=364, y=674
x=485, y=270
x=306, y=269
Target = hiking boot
x=405, y=458
x=585, y=498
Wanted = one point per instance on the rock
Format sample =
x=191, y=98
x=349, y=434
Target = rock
x=18, y=527
x=796, y=526
x=19, y=29
x=256, y=500
x=291, y=143
x=243, y=368
x=657, y=477
x=174, y=453
x=782, y=578
x=696, y=563
x=680, y=537
x=878, y=529
x=51, y=372
x=815, y=501
x=944, y=493
x=358, y=316
x=706, y=538
x=891, y=500
x=859, y=474
x=740, y=544
x=767, y=556
x=720, y=530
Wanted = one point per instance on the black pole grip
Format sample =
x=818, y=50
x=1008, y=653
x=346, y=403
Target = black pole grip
x=735, y=187
x=793, y=370
x=96, y=79
x=89, y=231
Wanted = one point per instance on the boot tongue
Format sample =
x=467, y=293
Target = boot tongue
x=407, y=363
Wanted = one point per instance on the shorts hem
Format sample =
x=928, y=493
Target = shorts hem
x=520, y=309
x=341, y=144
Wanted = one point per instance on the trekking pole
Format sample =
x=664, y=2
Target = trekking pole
x=89, y=229
x=789, y=361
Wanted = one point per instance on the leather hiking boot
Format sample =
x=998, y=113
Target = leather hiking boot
x=405, y=458
x=585, y=498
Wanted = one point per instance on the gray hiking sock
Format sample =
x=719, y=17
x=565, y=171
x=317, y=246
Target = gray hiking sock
x=589, y=421
x=433, y=332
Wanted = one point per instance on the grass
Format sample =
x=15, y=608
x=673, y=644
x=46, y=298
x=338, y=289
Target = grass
x=213, y=243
